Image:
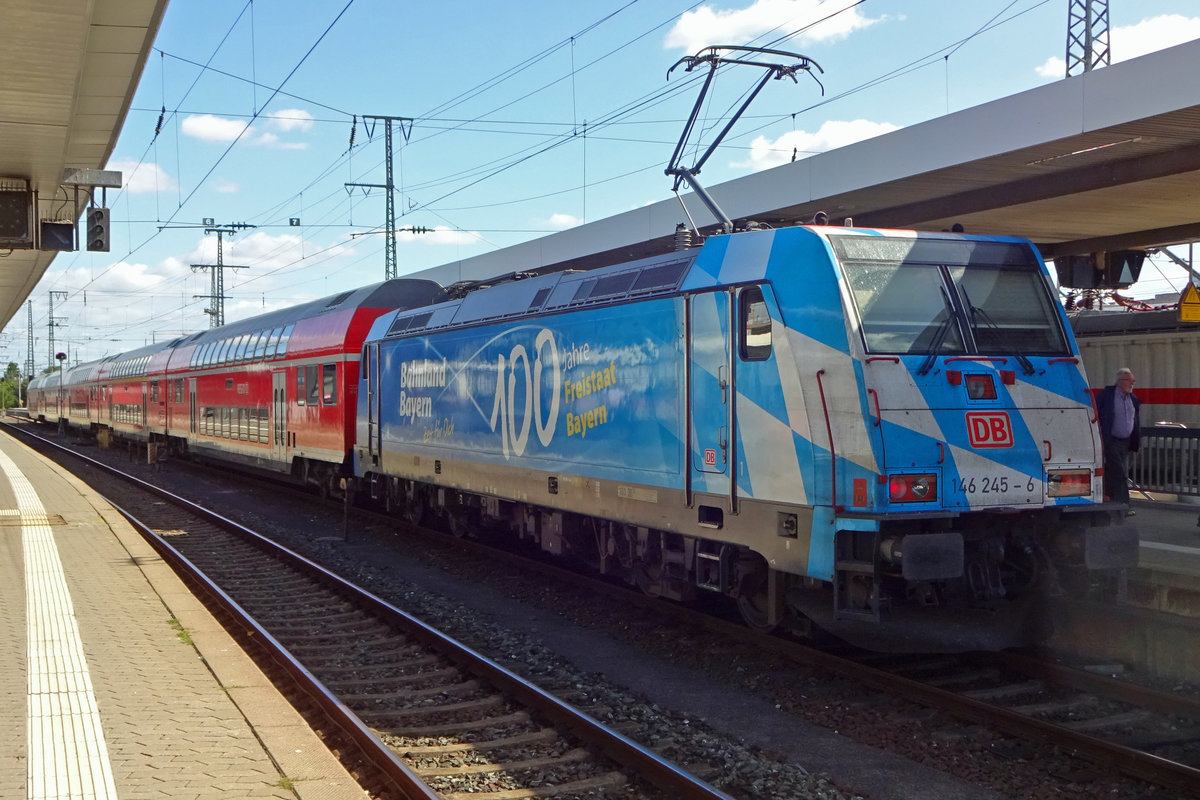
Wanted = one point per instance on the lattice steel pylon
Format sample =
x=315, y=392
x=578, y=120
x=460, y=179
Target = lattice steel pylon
x=405, y=125
x=1087, y=36
x=29, y=346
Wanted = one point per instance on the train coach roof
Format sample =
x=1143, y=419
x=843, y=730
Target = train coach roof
x=1101, y=323
x=518, y=294
x=396, y=293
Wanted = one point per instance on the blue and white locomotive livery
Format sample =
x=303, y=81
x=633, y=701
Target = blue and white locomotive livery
x=874, y=430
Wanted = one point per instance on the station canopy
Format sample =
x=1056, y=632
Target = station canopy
x=69, y=71
x=1100, y=162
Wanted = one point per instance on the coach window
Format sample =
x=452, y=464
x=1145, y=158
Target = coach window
x=283, y=340
x=260, y=345
x=301, y=394
x=246, y=348
x=756, y=325
x=273, y=343
x=329, y=384
x=314, y=386
x=153, y=391
x=239, y=354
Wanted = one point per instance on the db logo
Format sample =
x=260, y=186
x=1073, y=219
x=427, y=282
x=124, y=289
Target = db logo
x=989, y=429
x=710, y=457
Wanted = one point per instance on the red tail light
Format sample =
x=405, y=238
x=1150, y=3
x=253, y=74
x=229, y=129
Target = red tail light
x=912, y=488
x=1069, y=482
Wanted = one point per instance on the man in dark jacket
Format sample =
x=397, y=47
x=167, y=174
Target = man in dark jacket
x=1117, y=409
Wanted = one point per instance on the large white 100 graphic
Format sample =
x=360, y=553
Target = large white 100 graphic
x=517, y=364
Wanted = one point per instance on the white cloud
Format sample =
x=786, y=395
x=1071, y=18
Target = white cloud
x=291, y=119
x=704, y=27
x=121, y=278
x=1131, y=41
x=1152, y=33
x=1054, y=68
x=259, y=251
x=142, y=178
x=212, y=128
x=225, y=186
x=765, y=153
x=562, y=221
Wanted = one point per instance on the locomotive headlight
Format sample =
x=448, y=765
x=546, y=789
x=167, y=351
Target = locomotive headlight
x=1068, y=482
x=912, y=488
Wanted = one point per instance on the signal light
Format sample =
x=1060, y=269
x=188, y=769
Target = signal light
x=97, y=235
x=981, y=387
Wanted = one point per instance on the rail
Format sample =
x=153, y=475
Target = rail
x=1167, y=461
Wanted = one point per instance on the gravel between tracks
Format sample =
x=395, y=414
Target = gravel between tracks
x=753, y=725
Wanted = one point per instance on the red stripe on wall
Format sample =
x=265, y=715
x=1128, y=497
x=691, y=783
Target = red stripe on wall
x=1179, y=397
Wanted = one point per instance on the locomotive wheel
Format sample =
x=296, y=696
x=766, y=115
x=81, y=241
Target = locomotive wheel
x=414, y=506
x=414, y=511
x=753, y=599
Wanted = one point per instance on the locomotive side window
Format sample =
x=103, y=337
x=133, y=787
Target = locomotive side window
x=755, y=344
x=329, y=384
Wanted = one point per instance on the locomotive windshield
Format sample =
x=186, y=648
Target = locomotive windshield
x=950, y=296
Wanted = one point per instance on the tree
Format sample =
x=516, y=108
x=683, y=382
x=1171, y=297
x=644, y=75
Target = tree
x=12, y=386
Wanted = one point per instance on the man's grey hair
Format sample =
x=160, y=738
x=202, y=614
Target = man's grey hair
x=1123, y=371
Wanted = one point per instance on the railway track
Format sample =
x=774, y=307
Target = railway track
x=1152, y=736
x=430, y=717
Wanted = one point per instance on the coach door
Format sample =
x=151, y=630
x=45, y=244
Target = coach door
x=192, y=410
x=279, y=413
x=710, y=399
x=374, y=445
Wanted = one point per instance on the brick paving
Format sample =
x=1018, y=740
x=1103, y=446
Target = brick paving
x=181, y=720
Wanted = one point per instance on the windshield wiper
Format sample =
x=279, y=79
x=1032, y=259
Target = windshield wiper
x=1026, y=364
x=940, y=336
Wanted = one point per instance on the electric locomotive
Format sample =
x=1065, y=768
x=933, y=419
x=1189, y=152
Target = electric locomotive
x=888, y=433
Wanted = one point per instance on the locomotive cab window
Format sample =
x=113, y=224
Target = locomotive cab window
x=755, y=344
x=938, y=296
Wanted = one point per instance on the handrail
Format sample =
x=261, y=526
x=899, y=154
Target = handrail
x=996, y=359
x=832, y=452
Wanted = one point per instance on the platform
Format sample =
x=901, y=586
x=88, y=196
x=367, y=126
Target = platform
x=114, y=681
x=1170, y=534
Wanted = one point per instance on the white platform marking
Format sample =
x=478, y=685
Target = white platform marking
x=68, y=759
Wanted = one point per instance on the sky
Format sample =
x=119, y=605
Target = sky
x=516, y=120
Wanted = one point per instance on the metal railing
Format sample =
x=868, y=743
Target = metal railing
x=1168, y=460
